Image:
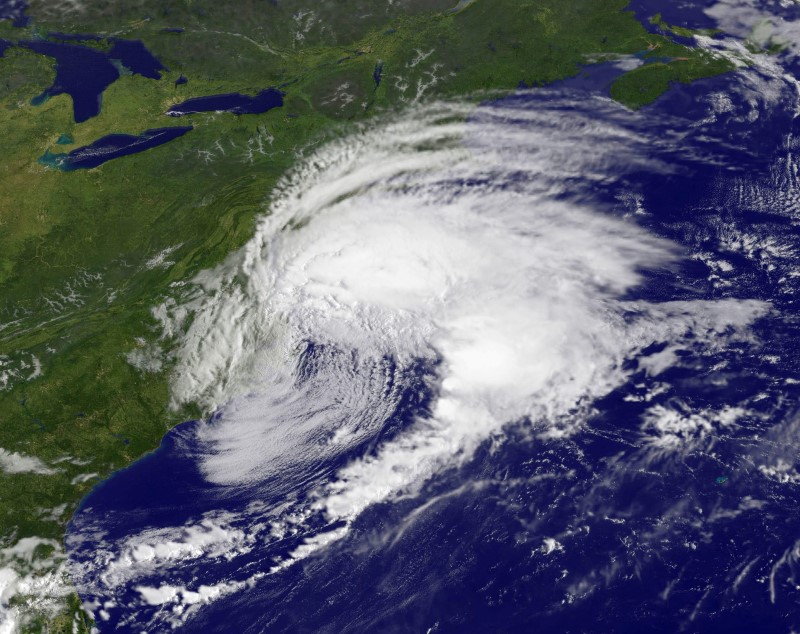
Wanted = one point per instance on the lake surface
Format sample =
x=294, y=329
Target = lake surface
x=111, y=147
x=84, y=73
x=135, y=56
x=234, y=102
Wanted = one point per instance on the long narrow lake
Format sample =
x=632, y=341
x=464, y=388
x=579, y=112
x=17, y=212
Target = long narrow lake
x=110, y=147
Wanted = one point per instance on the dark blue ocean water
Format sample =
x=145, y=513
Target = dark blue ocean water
x=75, y=37
x=700, y=537
x=14, y=10
x=688, y=14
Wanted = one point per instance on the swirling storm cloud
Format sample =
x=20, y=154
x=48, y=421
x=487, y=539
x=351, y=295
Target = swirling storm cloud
x=436, y=287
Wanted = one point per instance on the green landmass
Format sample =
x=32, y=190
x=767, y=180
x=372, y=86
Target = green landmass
x=85, y=255
x=681, y=31
x=664, y=66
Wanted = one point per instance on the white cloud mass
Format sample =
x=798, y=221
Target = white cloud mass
x=445, y=235
x=465, y=241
